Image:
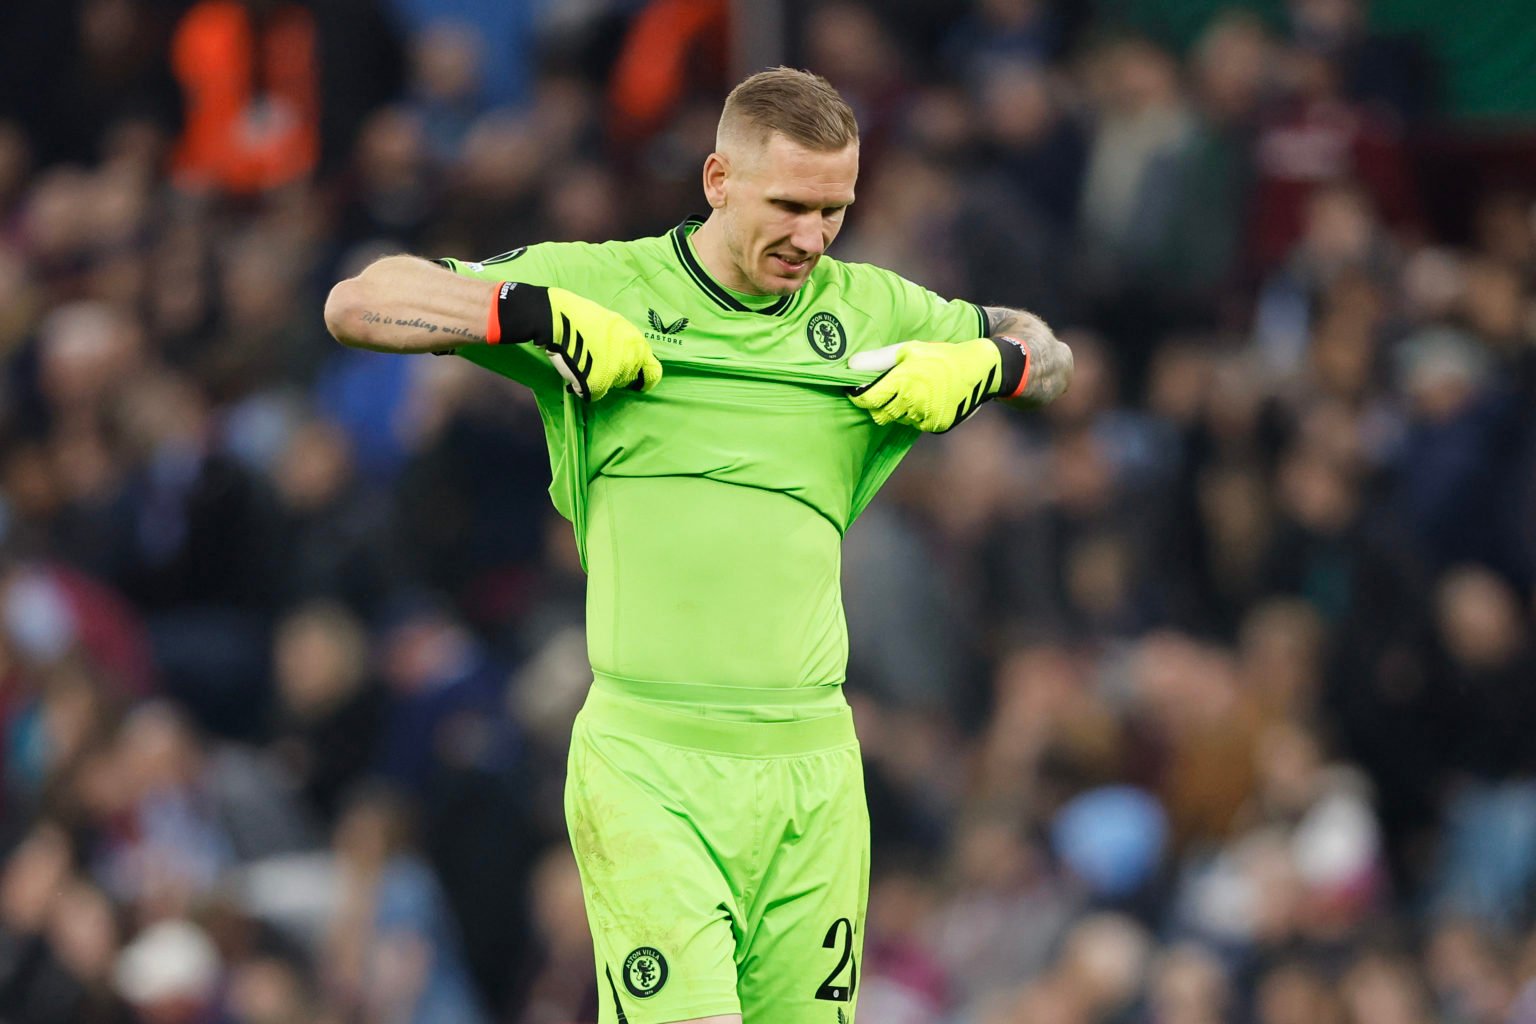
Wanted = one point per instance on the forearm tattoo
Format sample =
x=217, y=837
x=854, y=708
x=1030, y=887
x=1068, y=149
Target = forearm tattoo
x=417, y=323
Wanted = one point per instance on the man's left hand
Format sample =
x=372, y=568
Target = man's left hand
x=933, y=386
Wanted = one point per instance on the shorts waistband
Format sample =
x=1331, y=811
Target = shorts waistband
x=801, y=698
x=827, y=725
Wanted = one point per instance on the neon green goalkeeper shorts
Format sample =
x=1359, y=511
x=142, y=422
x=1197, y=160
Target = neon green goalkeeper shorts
x=725, y=863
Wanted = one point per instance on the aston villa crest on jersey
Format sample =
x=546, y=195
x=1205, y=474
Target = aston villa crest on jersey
x=825, y=333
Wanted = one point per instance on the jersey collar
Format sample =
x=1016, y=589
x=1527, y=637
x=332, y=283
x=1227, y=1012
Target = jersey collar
x=708, y=285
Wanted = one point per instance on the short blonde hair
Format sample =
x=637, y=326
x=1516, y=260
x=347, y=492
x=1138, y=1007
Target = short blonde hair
x=801, y=106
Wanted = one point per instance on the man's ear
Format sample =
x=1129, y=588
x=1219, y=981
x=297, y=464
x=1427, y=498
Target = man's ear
x=716, y=170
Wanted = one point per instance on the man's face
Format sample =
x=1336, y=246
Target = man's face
x=782, y=205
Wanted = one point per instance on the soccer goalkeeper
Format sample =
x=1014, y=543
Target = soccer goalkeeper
x=715, y=797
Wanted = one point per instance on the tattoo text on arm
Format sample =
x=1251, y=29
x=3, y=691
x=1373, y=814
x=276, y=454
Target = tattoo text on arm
x=1050, y=361
x=417, y=323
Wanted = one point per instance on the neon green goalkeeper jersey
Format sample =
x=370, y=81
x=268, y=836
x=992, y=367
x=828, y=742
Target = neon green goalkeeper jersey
x=709, y=512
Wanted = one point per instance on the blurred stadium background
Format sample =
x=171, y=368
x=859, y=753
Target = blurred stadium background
x=1207, y=695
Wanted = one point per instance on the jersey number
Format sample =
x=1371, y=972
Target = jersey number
x=830, y=989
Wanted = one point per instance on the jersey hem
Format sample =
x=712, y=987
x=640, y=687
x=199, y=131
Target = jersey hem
x=633, y=1014
x=692, y=694
x=613, y=712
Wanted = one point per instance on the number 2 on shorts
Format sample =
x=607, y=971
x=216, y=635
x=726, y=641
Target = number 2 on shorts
x=829, y=989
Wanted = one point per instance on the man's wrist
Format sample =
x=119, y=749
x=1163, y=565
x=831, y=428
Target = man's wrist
x=1014, y=355
x=519, y=312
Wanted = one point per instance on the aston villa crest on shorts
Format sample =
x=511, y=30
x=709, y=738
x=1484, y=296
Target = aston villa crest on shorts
x=645, y=971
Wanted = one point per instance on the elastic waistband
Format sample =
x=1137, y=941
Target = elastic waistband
x=806, y=701
x=685, y=724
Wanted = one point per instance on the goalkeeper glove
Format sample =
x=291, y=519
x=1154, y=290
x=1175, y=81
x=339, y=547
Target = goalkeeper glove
x=933, y=386
x=593, y=348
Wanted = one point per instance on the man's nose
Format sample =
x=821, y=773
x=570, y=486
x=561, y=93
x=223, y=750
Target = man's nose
x=808, y=236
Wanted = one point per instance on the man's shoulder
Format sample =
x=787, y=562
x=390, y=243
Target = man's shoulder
x=859, y=284
x=854, y=274
x=612, y=252
x=594, y=269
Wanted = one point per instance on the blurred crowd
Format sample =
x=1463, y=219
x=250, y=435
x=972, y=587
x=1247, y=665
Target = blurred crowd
x=1205, y=695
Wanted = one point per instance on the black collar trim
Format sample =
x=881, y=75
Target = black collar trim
x=708, y=285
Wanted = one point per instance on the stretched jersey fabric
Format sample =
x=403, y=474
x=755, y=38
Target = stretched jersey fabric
x=709, y=512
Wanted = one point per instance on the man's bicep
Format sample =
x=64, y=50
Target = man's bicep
x=528, y=264
x=925, y=315
x=958, y=320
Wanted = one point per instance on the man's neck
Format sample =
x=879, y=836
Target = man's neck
x=709, y=243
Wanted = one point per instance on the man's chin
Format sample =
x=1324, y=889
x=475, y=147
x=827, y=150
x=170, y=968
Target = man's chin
x=776, y=285
x=778, y=282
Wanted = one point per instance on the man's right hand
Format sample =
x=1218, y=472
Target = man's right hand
x=593, y=348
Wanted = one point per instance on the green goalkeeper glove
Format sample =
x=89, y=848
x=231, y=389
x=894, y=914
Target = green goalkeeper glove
x=934, y=386
x=593, y=348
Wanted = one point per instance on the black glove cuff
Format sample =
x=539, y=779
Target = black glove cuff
x=522, y=310
x=1015, y=365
